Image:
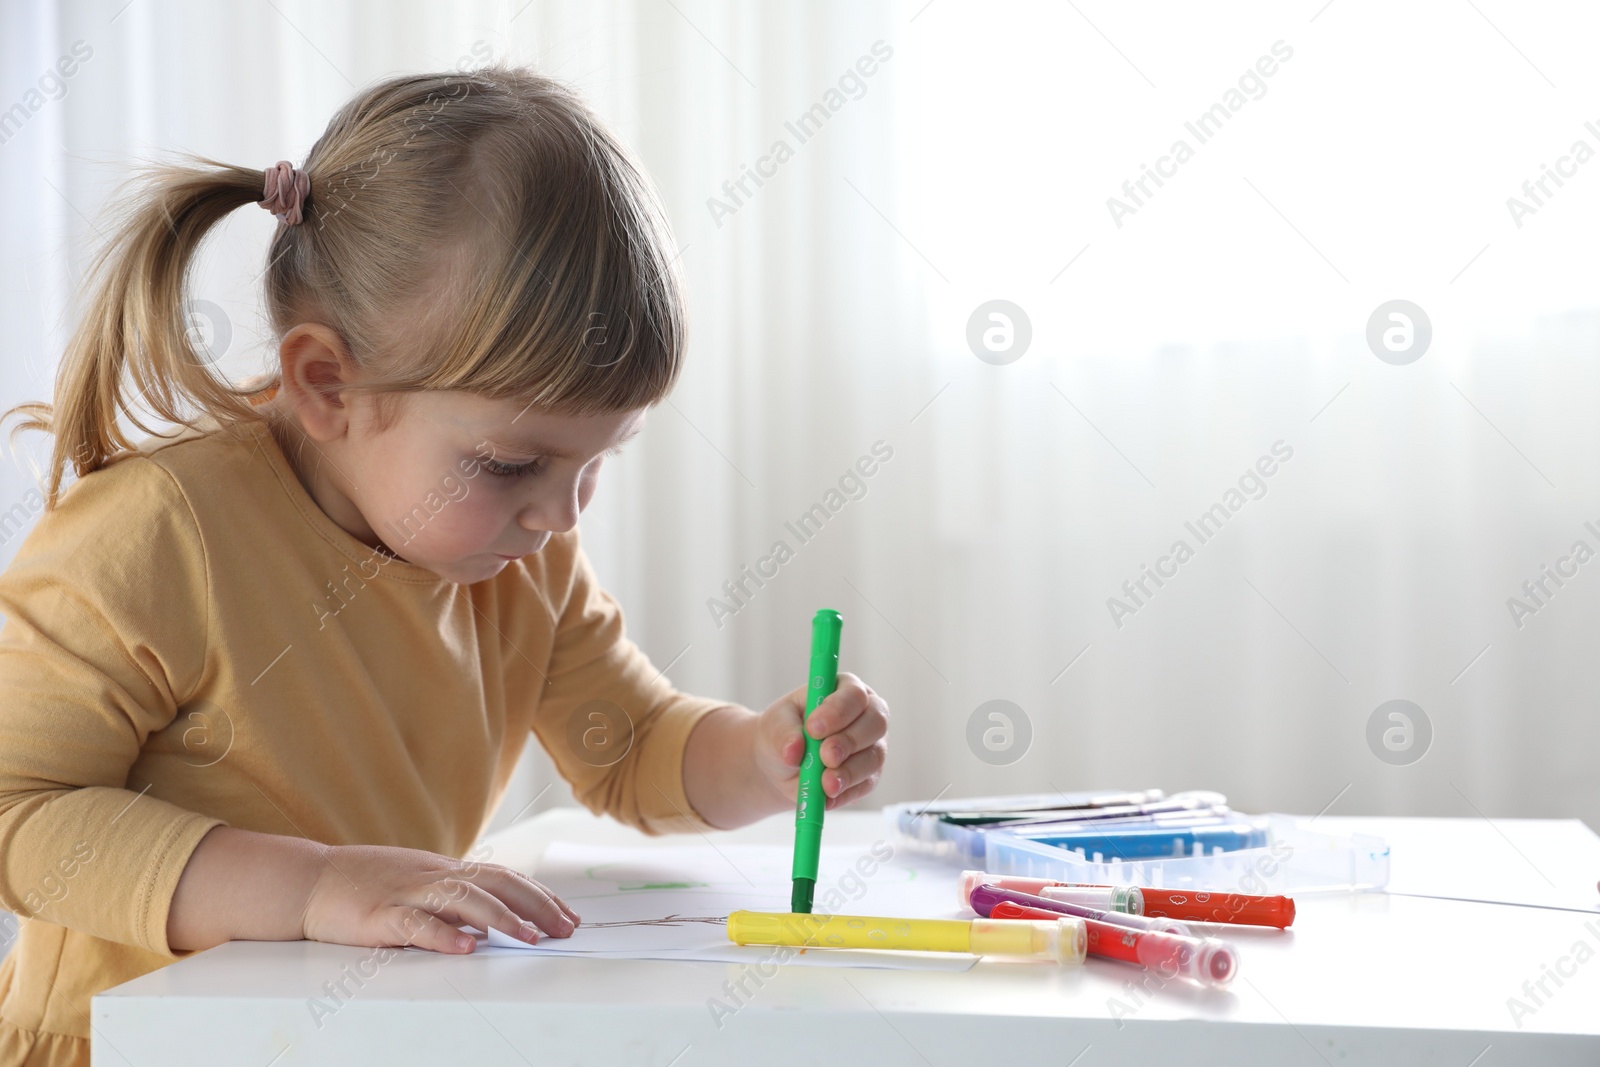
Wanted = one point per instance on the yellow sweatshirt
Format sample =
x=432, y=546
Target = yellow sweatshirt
x=189, y=641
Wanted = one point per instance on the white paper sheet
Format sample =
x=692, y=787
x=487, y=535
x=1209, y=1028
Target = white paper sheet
x=608, y=885
x=1541, y=863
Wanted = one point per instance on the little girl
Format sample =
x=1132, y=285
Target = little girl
x=267, y=678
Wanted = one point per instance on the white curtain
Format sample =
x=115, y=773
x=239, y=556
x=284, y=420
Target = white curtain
x=830, y=307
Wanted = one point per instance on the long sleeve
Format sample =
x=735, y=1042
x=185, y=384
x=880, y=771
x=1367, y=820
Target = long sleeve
x=105, y=634
x=614, y=726
x=190, y=641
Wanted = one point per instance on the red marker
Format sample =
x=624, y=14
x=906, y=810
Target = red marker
x=1200, y=959
x=1237, y=908
x=1240, y=908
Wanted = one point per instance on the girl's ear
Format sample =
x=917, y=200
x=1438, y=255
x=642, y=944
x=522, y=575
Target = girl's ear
x=316, y=367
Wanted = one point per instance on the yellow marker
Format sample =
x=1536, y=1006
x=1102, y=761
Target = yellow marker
x=1065, y=940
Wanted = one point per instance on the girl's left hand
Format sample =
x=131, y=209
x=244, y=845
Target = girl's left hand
x=853, y=724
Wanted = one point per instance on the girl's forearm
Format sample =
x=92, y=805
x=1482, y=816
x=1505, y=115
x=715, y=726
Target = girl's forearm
x=243, y=885
x=720, y=775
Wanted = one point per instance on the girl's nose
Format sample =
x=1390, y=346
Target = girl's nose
x=555, y=512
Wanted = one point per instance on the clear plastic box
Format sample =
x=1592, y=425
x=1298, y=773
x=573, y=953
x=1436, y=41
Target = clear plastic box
x=1296, y=859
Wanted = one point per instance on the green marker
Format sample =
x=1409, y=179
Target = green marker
x=810, y=800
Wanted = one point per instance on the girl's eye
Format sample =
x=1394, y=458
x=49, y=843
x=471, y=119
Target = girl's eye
x=510, y=470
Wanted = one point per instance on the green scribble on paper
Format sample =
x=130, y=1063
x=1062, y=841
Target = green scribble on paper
x=598, y=873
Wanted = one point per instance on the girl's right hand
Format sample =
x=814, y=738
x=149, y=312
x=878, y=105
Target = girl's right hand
x=375, y=896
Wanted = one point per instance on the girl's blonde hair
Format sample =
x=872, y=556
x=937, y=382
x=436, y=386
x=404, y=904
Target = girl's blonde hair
x=477, y=231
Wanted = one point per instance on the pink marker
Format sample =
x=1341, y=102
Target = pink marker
x=986, y=896
x=1123, y=898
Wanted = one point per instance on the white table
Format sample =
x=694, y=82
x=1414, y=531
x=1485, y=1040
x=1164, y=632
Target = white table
x=1373, y=978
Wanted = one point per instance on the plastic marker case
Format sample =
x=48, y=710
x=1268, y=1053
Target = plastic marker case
x=1279, y=853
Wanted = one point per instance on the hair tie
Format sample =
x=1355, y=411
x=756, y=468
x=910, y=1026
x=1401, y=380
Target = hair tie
x=285, y=192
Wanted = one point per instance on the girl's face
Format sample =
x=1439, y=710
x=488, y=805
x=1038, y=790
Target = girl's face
x=464, y=485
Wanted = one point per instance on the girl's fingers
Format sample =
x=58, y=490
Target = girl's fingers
x=868, y=728
x=470, y=903
x=787, y=727
x=565, y=909
x=861, y=768
x=414, y=926
x=841, y=707
x=528, y=899
x=853, y=794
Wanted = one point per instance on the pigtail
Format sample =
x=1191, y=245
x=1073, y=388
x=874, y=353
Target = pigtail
x=132, y=351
